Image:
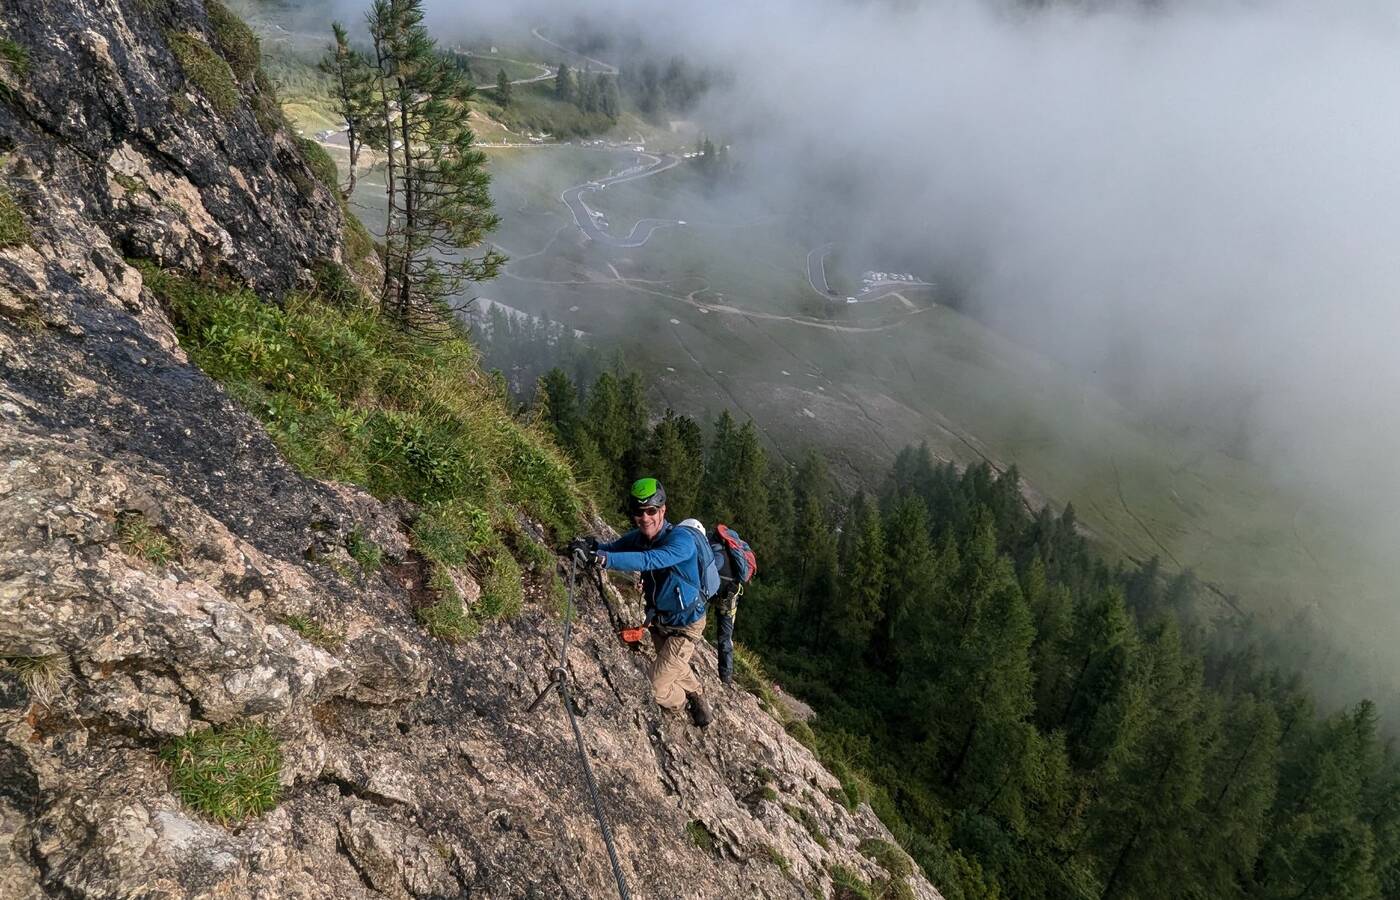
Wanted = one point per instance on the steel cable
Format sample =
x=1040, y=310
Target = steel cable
x=559, y=680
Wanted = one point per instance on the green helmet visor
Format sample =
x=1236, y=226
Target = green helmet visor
x=647, y=492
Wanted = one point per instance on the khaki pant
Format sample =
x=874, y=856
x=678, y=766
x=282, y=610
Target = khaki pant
x=671, y=677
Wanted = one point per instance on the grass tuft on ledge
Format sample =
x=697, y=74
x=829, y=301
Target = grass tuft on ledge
x=45, y=677
x=141, y=539
x=227, y=773
x=14, y=230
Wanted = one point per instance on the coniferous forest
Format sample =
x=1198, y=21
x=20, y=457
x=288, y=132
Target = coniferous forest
x=1029, y=721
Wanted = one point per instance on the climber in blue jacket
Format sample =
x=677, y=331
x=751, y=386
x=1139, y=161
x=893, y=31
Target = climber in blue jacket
x=668, y=559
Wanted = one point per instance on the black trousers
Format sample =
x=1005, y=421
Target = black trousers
x=725, y=608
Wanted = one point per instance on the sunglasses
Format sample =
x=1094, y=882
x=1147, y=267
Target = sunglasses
x=646, y=512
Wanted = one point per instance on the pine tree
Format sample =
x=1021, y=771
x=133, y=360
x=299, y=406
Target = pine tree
x=910, y=587
x=634, y=424
x=563, y=84
x=675, y=456
x=816, y=574
x=1143, y=824
x=1241, y=780
x=650, y=101
x=556, y=407
x=503, y=89
x=987, y=652
x=1319, y=844
x=775, y=541
x=610, y=102
x=439, y=204
x=720, y=465
x=1096, y=696
x=608, y=427
x=858, y=606
x=352, y=95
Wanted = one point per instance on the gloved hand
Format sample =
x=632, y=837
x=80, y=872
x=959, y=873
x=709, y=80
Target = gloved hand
x=584, y=548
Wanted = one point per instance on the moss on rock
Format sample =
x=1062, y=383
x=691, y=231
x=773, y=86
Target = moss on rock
x=206, y=69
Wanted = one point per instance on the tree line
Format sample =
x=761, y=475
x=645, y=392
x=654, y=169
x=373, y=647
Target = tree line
x=1029, y=721
x=655, y=90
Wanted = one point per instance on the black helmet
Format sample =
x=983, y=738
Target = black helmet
x=647, y=493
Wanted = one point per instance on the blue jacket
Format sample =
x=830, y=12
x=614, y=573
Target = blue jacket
x=670, y=572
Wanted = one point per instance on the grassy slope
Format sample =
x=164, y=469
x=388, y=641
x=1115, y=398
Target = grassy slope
x=349, y=398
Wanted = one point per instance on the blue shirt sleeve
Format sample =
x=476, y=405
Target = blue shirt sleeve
x=627, y=541
x=674, y=550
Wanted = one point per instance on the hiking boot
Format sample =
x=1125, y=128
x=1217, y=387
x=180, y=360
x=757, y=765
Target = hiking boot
x=727, y=678
x=699, y=710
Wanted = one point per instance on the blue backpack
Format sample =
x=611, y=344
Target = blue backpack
x=704, y=558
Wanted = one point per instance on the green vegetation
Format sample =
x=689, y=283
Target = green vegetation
x=234, y=39
x=313, y=631
x=128, y=183
x=348, y=396
x=45, y=677
x=140, y=538
x=361, y=253
x=846, y=884
x=503, y=89
x=206, y=69
x=321, y=163
x=14, y=230
x=536, y=108
x=228, y=773
x=891, y=858
x=804, y=817
x=777, y=858
x=659, y=89
x=368, y=554
x=453, y=532
x=538, y=559
x=700, y=836
x=14, y=57
x=447, y=618
x=501, y=593
x=14, y=67
x=267, y=109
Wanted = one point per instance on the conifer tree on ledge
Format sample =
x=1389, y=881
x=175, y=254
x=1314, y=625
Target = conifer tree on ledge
x=435, y=179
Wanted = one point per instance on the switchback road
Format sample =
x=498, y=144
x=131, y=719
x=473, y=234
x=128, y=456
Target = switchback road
x=644, y=229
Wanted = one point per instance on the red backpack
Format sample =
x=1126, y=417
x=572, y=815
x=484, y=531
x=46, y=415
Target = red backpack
x=733, y=555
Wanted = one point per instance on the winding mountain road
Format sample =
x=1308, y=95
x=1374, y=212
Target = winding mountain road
x=605, y=68
x=816, y=278
x=546, y=72
x=643, y=230
x=816, y=270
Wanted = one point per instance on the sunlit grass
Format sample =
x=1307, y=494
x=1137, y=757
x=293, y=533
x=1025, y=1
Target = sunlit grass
x=227, y=773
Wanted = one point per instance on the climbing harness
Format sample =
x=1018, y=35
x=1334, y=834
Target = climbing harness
x=575, y=707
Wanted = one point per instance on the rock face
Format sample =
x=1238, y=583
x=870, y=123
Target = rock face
x=410, y=767
x=129, y=119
